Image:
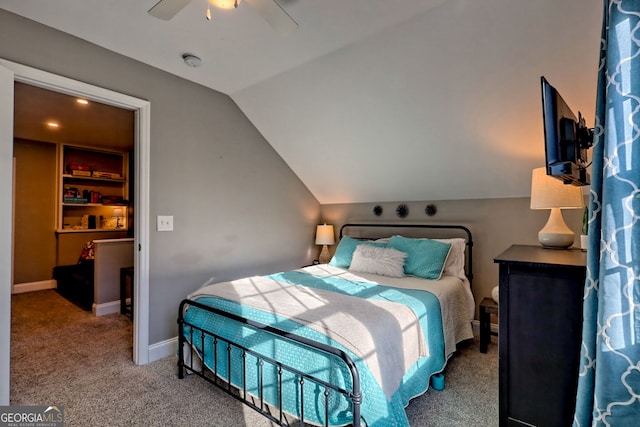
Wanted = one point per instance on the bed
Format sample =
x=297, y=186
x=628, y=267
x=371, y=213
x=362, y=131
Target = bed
x=345, y=343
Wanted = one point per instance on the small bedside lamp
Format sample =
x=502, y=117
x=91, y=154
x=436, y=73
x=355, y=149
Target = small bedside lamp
x=117, y=213
x=550, y=193
x=324, y=237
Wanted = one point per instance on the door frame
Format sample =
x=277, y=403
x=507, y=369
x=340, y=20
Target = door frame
x=47, y=80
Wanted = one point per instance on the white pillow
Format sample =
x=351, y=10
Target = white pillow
x=383, y=261
x=455, y=262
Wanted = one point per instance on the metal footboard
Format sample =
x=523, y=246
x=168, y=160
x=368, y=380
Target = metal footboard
x=187, y=332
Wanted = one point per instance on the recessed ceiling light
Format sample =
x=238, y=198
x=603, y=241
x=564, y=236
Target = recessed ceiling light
x=82, y=101
x=53, y=125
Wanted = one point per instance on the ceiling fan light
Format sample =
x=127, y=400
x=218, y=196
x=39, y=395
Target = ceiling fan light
x=225, y=4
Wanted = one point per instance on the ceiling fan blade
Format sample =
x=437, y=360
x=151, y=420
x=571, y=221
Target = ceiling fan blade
x=275, y=15
x=167, y=9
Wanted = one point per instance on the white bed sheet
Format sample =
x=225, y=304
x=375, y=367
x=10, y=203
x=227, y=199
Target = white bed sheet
x=456, y=301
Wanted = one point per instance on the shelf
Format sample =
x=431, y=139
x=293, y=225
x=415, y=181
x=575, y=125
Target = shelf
x=94, y=178
x=87, y=189
x=92, y=230
x=99, y=205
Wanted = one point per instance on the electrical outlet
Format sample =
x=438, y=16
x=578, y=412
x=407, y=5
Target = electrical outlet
x=165, y=223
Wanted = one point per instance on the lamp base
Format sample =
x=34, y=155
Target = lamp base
x=555, y=240
x=555, y=234
x=324, y=257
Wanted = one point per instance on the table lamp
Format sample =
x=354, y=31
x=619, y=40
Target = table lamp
x=117, y=213
x=551, y=193
x=324, y=237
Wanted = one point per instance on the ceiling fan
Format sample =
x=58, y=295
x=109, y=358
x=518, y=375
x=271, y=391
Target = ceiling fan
x=270, y=10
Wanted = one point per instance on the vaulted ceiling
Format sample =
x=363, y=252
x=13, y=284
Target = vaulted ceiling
x=373, y=100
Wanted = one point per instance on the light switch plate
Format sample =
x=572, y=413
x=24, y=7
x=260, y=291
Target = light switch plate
x=165, y=223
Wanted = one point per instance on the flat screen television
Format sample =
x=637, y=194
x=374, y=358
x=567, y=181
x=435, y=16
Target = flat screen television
x=567, y=139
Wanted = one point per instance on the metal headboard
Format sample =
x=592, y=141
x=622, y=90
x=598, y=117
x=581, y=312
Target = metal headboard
x=469, y=238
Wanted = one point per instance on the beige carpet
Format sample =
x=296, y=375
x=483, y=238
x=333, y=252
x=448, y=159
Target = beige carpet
x=62, y=355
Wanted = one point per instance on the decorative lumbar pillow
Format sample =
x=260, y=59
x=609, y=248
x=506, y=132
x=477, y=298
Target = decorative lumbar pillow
x=344, y=251
x=425, y=257
x=383, y=261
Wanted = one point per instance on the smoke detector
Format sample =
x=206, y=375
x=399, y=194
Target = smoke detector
x=191, y=60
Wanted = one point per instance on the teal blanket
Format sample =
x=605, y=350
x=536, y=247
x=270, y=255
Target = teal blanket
x=376, y=410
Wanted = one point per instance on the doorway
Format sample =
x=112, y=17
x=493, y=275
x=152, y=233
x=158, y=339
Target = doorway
x=10, y=73
x=54, y=133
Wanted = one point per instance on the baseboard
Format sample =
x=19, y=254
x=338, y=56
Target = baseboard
x=34, y=286
x=163, y=349
x=106, y=308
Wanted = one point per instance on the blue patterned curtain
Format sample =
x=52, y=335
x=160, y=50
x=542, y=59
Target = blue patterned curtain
x=609, y=381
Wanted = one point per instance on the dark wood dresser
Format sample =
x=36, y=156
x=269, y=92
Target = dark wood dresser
x=540, y=332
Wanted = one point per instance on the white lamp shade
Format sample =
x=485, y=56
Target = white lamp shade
x=117, y=212
x=548, y=192
x=551, y=193
x=324, y=235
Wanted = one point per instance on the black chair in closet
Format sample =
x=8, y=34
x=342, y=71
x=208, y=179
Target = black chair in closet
x=75, y=282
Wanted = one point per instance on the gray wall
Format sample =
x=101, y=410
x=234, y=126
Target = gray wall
x=495, y=225
x=238, y=209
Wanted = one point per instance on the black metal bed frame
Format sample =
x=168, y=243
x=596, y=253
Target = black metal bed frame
x=188, y=330
x=353, y=395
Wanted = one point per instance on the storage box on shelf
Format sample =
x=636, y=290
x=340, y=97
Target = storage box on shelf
x=93, y=190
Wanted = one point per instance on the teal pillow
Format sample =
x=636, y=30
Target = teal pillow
x=344, y=251
x=425, y=257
